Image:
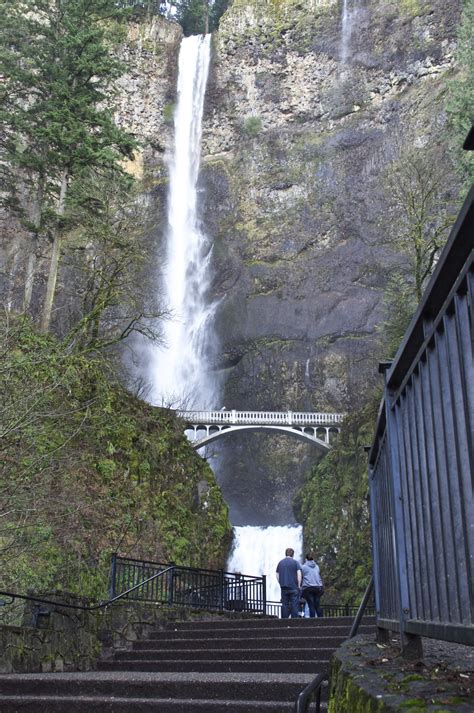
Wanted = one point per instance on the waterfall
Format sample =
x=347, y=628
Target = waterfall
x=257, y=551
x=180, y=370
x=346, y=30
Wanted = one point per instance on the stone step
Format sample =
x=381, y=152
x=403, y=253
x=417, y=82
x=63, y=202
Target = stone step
x=285, y=665
x=268, y=642
x=151, y=654
x=257, y=622
x=243, y=666
x=151, y=685
x=92, y=704
x=334, y=638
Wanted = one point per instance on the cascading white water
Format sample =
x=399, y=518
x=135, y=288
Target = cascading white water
x=257, y=551
x=180, y=371
x=346, y=29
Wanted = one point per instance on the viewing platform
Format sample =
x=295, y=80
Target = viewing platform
x=203, y=427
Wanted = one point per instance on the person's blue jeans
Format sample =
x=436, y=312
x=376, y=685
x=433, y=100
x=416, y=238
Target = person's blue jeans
x=290, y=599
x=312, y=596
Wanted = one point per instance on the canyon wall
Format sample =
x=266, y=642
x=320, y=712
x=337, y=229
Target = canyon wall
x=306, y=109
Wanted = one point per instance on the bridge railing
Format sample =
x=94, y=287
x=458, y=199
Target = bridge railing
x=150, y=6
x=268, y=418
x=421, y=463
x=213, y=590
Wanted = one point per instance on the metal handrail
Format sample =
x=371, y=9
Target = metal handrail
x=303, y=700
x=363, y=604
x=314, y=687
x=329, y=610
x=100, y=605
x=283, y=418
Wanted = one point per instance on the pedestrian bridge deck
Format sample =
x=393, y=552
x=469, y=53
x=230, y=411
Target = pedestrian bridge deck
x=317, y=428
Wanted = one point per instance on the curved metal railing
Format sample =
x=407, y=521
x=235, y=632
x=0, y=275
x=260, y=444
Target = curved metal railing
x=268, y=418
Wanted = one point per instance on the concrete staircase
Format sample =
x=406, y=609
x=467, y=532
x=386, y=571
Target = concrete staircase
x=243, y=666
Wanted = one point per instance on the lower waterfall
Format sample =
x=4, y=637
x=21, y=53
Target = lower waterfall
x=257, y=551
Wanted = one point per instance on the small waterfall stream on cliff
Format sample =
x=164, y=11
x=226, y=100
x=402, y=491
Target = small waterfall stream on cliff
x=346, y=30
x=257, y=551
x=180, y=374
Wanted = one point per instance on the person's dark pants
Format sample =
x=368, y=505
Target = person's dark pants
x=290, y=599
x=312, y=596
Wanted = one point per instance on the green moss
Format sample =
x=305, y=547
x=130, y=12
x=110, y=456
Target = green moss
x=278, y=23
x=411, y=8
x=168, y=114
x=252, y=126
x=415, y=705
x=333, y=506
x=412, y=677
x=105, y=471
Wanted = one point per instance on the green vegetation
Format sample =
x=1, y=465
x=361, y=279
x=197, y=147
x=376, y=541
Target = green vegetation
x=411, y=8
x=168, y=114
x=196, y=16
x=420, y=210
x=461, y=96
x=333, y=507
x=60, y=69
x=87, y=469
x=415, y=705
x=252, y=126
x=278, y=23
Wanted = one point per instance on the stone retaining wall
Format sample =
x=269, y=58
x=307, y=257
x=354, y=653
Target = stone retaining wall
x=73, y=640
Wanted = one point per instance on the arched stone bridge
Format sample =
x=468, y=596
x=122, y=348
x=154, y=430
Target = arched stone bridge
x=203, y=427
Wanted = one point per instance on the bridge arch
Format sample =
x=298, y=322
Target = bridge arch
x=317, y=429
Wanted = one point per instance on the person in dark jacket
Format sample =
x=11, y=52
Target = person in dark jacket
x=288, y=573
x=312, y=586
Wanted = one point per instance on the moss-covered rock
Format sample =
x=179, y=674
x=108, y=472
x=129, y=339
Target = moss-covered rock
x=88, y=469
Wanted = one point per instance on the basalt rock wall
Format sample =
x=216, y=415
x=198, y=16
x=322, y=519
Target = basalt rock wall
x=305, y=111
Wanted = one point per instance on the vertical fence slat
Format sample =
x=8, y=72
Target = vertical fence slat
x=434, y=494
x=409, y=500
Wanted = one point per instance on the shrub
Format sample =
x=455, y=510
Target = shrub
x=252, y=126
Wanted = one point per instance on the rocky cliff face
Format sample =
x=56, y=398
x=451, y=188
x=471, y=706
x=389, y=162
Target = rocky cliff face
x=305, y=110
x=304, y=113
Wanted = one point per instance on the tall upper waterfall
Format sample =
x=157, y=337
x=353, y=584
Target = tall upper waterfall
x=349, y=12
x=180, y=370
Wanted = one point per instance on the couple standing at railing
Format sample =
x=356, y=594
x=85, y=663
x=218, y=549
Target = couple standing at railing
x=296, y=579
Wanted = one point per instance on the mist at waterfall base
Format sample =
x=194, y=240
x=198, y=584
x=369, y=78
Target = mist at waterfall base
x=179, y=371
x=257, y=551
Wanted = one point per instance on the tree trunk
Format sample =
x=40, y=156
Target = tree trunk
x=35, y=217
x=30, y=274
x=54, y=262
x=14, y=251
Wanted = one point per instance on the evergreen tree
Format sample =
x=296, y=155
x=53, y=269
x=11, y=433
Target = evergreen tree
x=60, y=69
x=218, y=8
x=199, y=16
